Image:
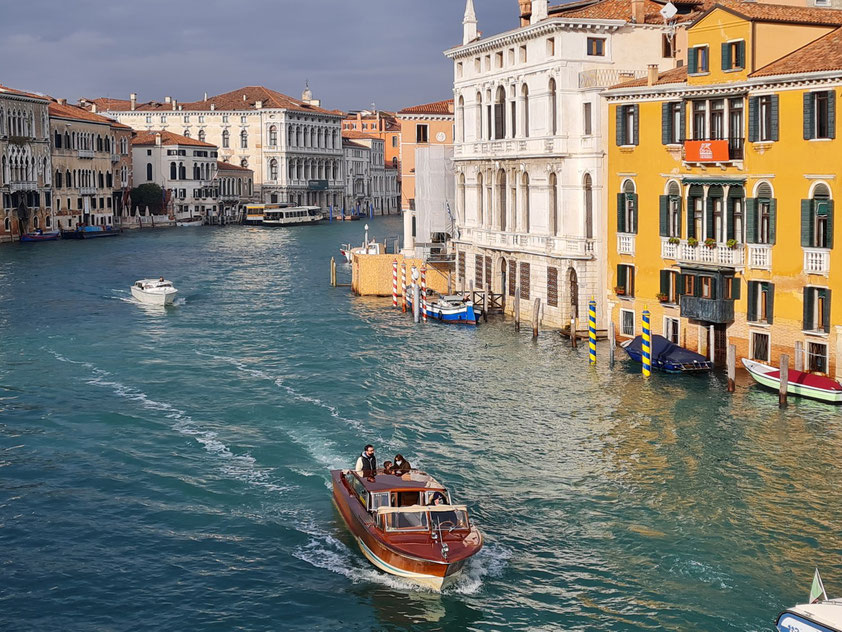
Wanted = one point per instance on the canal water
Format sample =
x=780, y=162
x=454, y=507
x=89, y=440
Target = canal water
x=168, y=469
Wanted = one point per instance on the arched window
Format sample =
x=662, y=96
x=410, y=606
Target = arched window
x=173, y=171
x=588, y=186
x=182, y=171
x=524, y=94
x=480, y=194
x=149, y=171
x=553, y=114
x=500, y=113
x=460, y=115
x=244, y=163
x=817, y=219
x=58, y=179
x=501, y=199
x=273, y=169
x=226, y=138
x=197, y=172
x=553, y=205
x=202, y=135
x=244, y=139
x=524, y=197
x=627, y=212
x=478, y=116
x=186, y=133
x=7, y=225
x=273, y=136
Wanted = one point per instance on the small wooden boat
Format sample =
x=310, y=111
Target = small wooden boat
x=667, y=356
x=450, y=308
x=39, y=235
x=798, y=383
x=190, y=221
x=89, y=232
x=398, y=529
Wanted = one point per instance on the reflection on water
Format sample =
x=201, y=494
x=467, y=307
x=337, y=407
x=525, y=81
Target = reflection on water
x=171, y=464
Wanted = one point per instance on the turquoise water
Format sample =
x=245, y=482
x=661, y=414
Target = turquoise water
x=168, y=469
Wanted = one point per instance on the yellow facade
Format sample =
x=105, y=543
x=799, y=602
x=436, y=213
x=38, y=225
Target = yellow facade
x=758, y=201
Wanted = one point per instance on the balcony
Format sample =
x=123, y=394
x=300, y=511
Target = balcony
x=625, y=244
x=760, y=256
x=817, y=261
x=115, y=157
x=567, y=246
x=85, y=153
x=23, y=185
x=707, y=309
x=719, y=254
x=87, y=190
x=713, y=150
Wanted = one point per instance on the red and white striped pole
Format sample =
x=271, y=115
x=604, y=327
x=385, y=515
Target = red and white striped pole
x=403, y=286
x=424, y=293
x=395, y=283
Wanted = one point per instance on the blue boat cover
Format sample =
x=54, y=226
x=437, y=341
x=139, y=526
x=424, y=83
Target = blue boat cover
x=665, y=352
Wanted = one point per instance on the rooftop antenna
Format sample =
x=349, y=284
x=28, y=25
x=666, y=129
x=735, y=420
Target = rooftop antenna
x=668, y=12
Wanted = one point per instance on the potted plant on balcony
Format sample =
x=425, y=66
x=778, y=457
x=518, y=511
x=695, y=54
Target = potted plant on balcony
x=674, y=241
x=710, y=242
x=692, y=242
x=620, y=290
x=732, y=244
x=663, y=298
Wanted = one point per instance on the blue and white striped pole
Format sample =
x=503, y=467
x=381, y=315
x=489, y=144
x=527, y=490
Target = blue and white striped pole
x=647, y=345
x=592, y=331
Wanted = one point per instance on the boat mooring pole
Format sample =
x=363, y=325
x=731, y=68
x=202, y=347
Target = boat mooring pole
x=784, y=380
x=365, y=243
x=403, y=286
x=574, y=342
x=612, y=342
x=517, y=305
x=485, y=302
x=333, y=272
x=424, y=293
x=799, y=356
x=395, y=283
x=536, y=311
x=416, y=302
x=732, y=368
x=647, y=345
x=592, y=331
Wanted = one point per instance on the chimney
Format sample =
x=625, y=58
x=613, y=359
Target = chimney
x=133, y=97
x=539, y=11
x=213, y=106
x=93, y=108
x=652, y=75
x=244, y=98
x=175, y=104
x=258, y=105
x=206, y=96
x=167, y=99
x=61, y=101
x=525, y=11
x=157, y=139
x=450, y=107
x=638, y=15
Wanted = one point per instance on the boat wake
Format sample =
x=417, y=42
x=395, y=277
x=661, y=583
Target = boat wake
x=241, y=467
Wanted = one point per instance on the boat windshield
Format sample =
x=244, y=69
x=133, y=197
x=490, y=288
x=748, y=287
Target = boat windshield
x=405, y=520
x=444, y=517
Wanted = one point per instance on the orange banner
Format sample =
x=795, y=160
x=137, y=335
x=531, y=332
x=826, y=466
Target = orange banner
x=706, y=150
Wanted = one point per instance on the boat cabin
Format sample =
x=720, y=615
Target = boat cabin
x=149, y=284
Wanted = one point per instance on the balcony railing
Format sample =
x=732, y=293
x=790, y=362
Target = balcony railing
x=707, y=309
x=760, y=256
x=605, y=77
x=538, y=244
x=625, y=244
x=720, y=254
x=816, y=261
x=85, y=153
x=23, y=185
x=87, y=190
x=115, y=157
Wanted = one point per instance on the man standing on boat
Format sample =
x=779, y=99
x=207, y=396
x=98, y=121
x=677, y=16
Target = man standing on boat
x=366, y=462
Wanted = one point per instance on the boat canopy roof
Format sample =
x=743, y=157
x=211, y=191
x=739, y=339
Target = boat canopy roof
x=413, y=480
x=666, y=351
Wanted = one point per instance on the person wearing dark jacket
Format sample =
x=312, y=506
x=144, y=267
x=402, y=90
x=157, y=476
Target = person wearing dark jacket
x=366, y=462
x=401, y=465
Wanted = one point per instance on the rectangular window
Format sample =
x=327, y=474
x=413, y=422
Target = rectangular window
x=700, y=120
x=630, y=121
x=717, y=119
x=667, y=47
x=459, y=69
x=706, y=286
x=498, y=59
x=596, y=47
x=625, y=280
x=761, y=296
x=672, y=327
x=702, y=59
x=586, y=117
x=817, y=357
x=627, y=323
x=689, y=285
x=670, y=287
x=733, y=55
x=551, y=47
x=817, y=309
x=421, y=133
x=627, y=125
x=477, y=65
x=675, y=111
x=760, y=347
x=822, y=126
x=524, y=281
x=523, y=54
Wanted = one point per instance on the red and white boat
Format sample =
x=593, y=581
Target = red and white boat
x=798, y=383
x=398, y=529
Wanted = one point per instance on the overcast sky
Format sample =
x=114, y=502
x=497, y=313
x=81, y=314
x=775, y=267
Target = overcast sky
x=354, y=52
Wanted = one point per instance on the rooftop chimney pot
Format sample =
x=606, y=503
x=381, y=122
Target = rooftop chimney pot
x=167, y=99
x=133, y=98
x=652, y=75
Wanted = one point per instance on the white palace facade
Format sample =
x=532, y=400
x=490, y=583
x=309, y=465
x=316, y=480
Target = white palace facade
x=529, y=148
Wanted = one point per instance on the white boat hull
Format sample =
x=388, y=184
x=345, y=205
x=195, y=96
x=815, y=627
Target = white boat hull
x=154, y=298
x=759, y=372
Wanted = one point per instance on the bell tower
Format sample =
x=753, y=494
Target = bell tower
x=469, y=24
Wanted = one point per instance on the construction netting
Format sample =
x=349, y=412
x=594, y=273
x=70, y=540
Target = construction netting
x=435, y=194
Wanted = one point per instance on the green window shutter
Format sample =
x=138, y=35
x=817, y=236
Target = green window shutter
x=726, y=56
x=636, y=130
x=621, y=212
x=666, y=124
x=621, y=122
x=683, y=123
x=632, y=197
x=753, y=128
x=697, y=286
x=708, y=219
x=729, y=213
x=809, y=116
x=680, y=203
x=775, y=117
x=831, y=113
x=735, y=289
x=807, y=221
x=770, y=302
x=751, y=220
x=826, y=323
x=751, y=311
x=692, y=61
x=808, y=309
x=621, y=275
x=741, y=54
x=773, y=219
x=665, y=282
x=691, y=225
x=663, y=215
x=829, y=223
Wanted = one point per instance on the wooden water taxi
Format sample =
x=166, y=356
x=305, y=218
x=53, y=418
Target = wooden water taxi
x=400, y=531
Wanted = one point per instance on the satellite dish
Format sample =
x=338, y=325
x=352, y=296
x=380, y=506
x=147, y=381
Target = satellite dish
x=669, y=11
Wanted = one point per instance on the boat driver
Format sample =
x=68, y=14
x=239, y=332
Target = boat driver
x=366, y=462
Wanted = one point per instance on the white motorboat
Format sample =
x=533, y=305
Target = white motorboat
x=154, y=291
x=820, y=614
x=349, y=252
x=190, y=221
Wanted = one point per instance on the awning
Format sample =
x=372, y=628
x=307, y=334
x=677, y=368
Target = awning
x=713, y=181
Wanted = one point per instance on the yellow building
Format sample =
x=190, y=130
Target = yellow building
x=725, y=173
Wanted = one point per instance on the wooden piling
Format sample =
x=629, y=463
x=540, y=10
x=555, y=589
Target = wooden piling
x=517, y=306
x=485, y=303
x=573, y=342
x=333, y=271
x=799, y=355
x=536, y=309
x=732, y=367
x=784, y=380
x=612, y=341
x=711, y=344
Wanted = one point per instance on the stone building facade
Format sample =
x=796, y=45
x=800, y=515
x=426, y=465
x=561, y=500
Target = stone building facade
x=236, y=187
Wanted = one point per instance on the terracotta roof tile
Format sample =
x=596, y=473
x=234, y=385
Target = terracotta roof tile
x=674, y=75
x=614, y=10
x=167, y=138
x=227, y=166
x=823, y=54
x=439, y=107
x=20, y=93
x=353, y=133
x=73, y=112
x=787, y=14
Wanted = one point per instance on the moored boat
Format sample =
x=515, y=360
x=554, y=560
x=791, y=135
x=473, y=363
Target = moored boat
x=809, y=385
x=90, y=232
x=190, y=221
x=398, y=529
x=292, y=216
x=154, y=291
x=349, y=252
x=39, y=235
x=450, y=308
x=819, y=615
x=667, y=356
